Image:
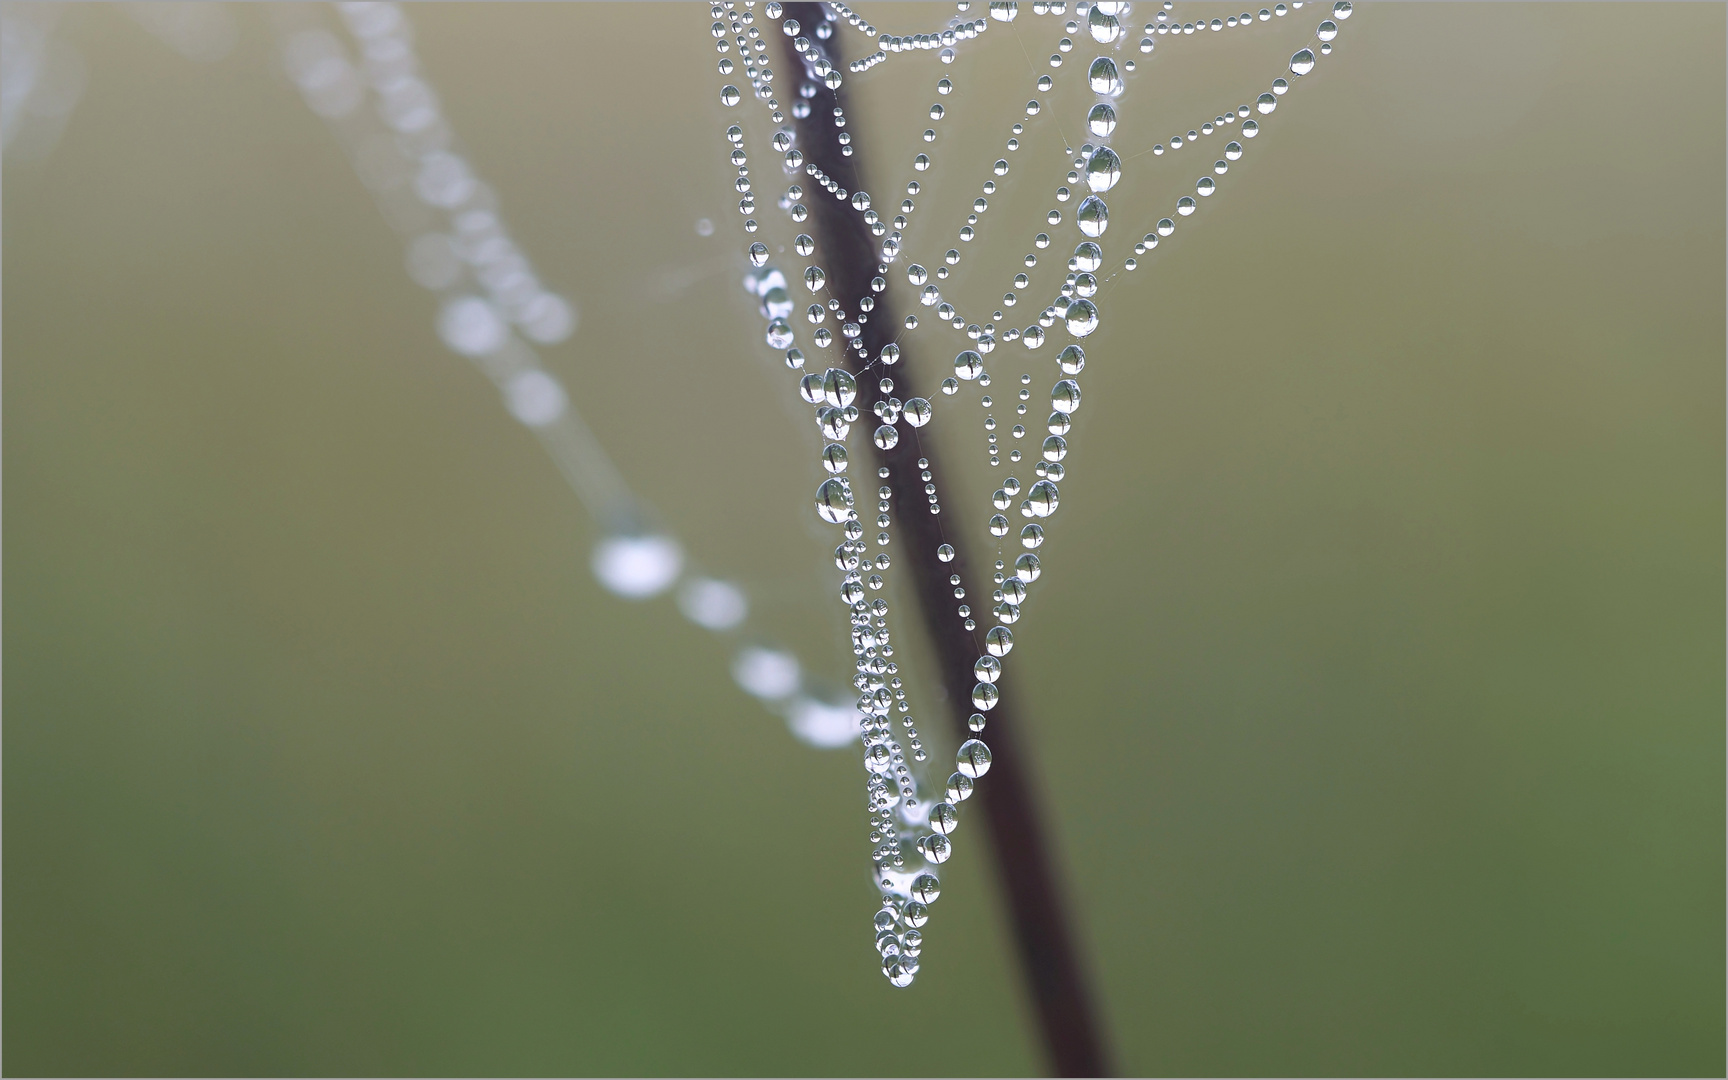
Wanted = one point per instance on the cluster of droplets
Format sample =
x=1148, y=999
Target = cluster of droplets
x=910, y=835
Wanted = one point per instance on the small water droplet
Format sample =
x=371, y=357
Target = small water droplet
x=758, y=254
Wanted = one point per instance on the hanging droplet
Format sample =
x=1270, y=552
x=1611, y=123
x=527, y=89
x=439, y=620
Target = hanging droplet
x=729, y=96
x=1007, y=612
x=998, y=525
x=914, y=914
x=814, y=278
x=758, y=254
x=984, y=698
x=999, y=641
x=938, y=848
x=1032, y=337
x=968, y=365
x=1102, y=77
x=1004, y=10
x=1205, y=186
x=860, y=200
x=918, y=412
x=1093, y=217
x=887, y=437
x=1055, y=448
x=916, y=274
x=1302, y=63
x=839, y=388
x=943, y=818
x=959, y=787
x=1265, y=103
x=1103, y=170
x=1031, y=536
x=1088, y=257
x=987, y=669
x=1326, y=31
x=1072, y=360
x=779, y=334
x=1103, y=28
x=831, y=501
x=926, y=888
x=890, y=354
x=945, y=553
x=1101, y=121
x=834, y=458
x=1341, y=10
x=973, y=759
x=810, y=388
x=1026, y=568
x=1042, y=499
x=1082, y=318
x=1233, y=151
x=1065, y=396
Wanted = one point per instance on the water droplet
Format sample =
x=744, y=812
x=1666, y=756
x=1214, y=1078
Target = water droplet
x=1265, y=103
x=1004, y=10
x=1250, y=128
x=758, y=254
x=968, y=365
x=998, y=525
x=1041, y=500
x=1001, y=167
x=1065, y=396
x=1055, y=448
x=1033, y=337
x=860, y=200
x=943, y=818
x=945, y=553
x=1103, y=170
x=779, y=334
x=887, y=437
x=890, y=354
x=1007, y=612
x=729, y=95
x=938, y=848
x=810, y=388
x=1093, y=217
x=1205, y=186
x=926, y=888
x=973, y=759
x=834, y=457
x=1101, y=121
x=1233, y=151
x=1031, y=536
x=1302, y=63
x=1341, y=10
x=916, y=274
x=959, y=787
x=1326, y=31
x=986, y=669
x=831, y=501
x=1082, y=318
x=1088, y=257
x=1026, y=567
x=1072, y=360
x=1102, y=77
x=814, y=278
x=1185, y=205
x=918, y=412
x=1103, y=28
x=839, y=388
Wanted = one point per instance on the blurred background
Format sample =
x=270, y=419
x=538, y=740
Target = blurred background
x=1376, y=680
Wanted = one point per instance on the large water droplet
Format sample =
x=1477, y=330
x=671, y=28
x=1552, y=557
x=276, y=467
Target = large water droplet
x=1032, y=535
x=918, y=412
x=959, y=787
x=1026, y=568
x=926, y=888
x=973, y=759
x=938, y=848
x=1103, y=28
x=839, y=388
x=1082, y=318
x=831, y=501
x=729, y=95
x=814, y=278
x=999, y=641
x=968, y=365
x=1326, y=31
x=1103, y=170
x=834, y=457
x=887, y=437
x=987, y=669
x=758, y=254
x=1065, y=396
x=1341, y=10
x=1042, y=499
x=1088, y=257
x=943, y=818
x=1004, y=10
x=1302, y=63
x=1101, y=121
x=1102, y=77
x=945, y=553
x=1072, y=360
x=1265, y=103
x=916, y=274
x=1093, y=217
x=779, y=334
x=1055, y=448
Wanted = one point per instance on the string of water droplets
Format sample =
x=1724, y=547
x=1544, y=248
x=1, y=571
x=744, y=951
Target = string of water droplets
x=494, y=311
x=908, y=890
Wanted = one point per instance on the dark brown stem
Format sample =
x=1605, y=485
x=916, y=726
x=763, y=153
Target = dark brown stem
x=1049, y=951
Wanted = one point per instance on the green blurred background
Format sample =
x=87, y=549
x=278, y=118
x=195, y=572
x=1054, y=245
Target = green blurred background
x=1377, y=672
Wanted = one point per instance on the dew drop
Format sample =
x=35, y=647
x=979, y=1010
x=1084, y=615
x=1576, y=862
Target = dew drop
x=831, y=501
x=1065, y=396
x=1027, y=569
x=810, y=388
x=1088, y=257
x=839, y=388
x=1093, y=216
x=938, y=848
x=1102, y=77
x=973, y=759
x=968, y=365
x=1101, y=121
x=1326, y=31
x=926, y=888
x=943, y=818
x=758, y=254
x=887, y=437
x=1082, y=318
x=945, y=553
x=779, y=334
x=729, y=95
x=834, y=458
x=1042, y=500
x=918, y=412
x=1072, y=360
x=999, y=640
x=1055, y=448
x=1341, y=10
x=1302, y=63
x=1266, y=103
x=1103, y=170
x=1205, y=186
x=959, y=787
x=814, y=278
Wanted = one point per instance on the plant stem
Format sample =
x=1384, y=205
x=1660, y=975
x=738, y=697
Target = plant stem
x=1049, y=952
